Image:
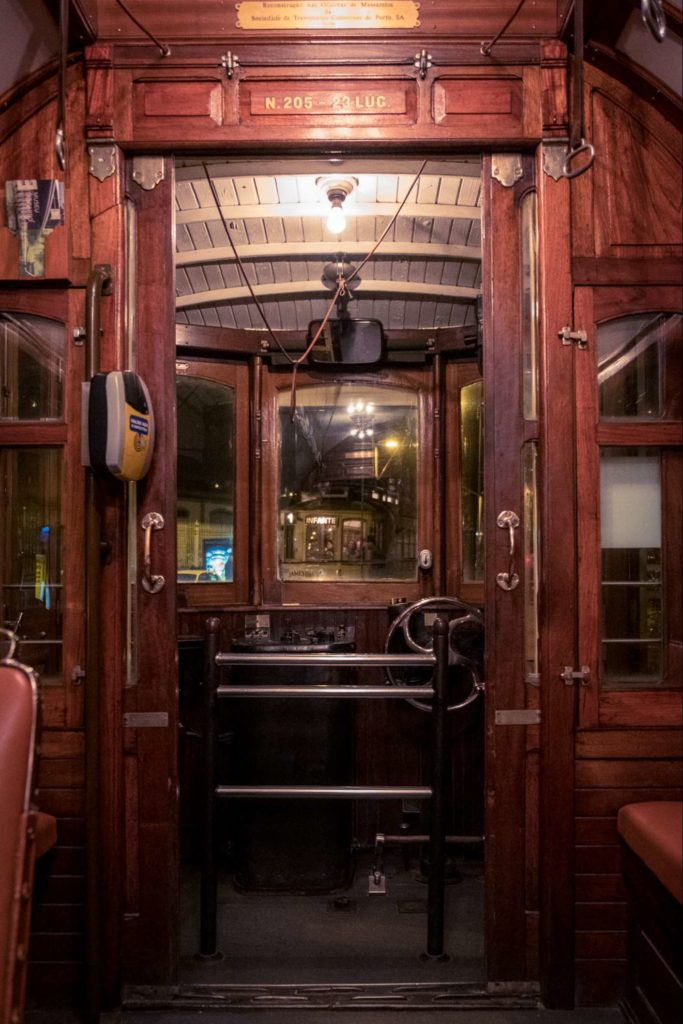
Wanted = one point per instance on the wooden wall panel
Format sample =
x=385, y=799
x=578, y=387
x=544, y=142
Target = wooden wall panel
x=27, y=132
x=191, y=102
x=613, y=767
x=625, y=210
x=218, y=19
x=636, y=211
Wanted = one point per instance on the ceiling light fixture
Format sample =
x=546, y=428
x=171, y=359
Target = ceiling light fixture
x=336, y=191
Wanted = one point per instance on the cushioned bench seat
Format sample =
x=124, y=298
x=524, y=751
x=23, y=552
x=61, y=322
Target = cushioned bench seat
x=654, y=831
x=652, y=858
x=46, y=832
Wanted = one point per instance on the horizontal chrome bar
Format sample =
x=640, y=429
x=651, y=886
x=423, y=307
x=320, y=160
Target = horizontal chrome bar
x=329, y=660
x=329, y=792
x=380, y=692
x=391, y=840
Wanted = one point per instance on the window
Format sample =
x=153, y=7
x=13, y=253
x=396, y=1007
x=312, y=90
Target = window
x=630, y=480
x=348, y=483
x=32, y=361
x=211, y=510
x=33, y=467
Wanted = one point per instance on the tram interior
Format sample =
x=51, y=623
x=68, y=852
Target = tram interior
x=329, y=890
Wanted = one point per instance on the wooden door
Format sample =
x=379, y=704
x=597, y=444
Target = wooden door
x=150, y=911
x=529, y=628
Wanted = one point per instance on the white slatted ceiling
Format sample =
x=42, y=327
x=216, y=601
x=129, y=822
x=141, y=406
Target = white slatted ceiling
x=202, y=231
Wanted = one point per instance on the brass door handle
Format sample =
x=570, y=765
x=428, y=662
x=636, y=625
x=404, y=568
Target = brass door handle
x=151, y=583
x=508, y=520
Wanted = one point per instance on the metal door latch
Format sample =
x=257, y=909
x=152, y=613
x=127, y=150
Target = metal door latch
x=570, y=676
x=568, y=336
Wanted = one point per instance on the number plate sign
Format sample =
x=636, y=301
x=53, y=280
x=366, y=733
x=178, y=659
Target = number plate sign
x=271, y=99
x=307, y=15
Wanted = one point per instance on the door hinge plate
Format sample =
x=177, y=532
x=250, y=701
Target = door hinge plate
x=145, y=720
x=148, y=171
x=519, y=716
x=570, y=337
x=506, y=168
x=102, y=160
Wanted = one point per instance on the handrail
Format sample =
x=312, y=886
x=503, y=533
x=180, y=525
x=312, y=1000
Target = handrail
x=377, y=692
x=230, y=658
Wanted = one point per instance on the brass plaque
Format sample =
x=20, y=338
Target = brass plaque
x=288, y=15
x=272, y=99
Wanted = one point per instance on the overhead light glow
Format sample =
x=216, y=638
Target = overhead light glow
x=336, y=218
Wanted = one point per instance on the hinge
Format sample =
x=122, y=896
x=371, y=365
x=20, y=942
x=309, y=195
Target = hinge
x=231, y=62
x=568, y=336
x=570, y=676
x=102, y=159
x=506, y=168
x=148, y=171
x=423, y=62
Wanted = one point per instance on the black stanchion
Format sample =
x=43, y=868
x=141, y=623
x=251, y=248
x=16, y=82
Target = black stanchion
x=437, y=833
x=208, y=888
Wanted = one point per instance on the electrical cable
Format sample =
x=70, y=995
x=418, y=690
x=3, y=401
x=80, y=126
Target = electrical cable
x=342, y=282
x=60, y=127
x=486, y=48
x=164, y=49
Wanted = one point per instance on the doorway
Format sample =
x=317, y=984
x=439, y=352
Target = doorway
x=424, y=292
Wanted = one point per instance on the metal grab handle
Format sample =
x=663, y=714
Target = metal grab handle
x=653, y=15
x=583, y=147
x=510, y=579
x=152, y=584
x=11, y=638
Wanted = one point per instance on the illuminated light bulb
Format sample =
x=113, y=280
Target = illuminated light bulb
x=336, y=218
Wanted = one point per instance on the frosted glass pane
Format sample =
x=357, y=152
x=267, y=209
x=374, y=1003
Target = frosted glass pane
x=630, y=502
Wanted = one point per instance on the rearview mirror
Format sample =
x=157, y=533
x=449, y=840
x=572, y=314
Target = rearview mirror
x=347, y=342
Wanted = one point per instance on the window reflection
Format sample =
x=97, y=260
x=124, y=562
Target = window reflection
x=640, y=366
x=472, y=476
x=348, y=489
x=206, y=485
x=30, y=557
x=31, y=367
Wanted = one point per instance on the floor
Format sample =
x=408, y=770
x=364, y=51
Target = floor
x=279, y=1016
x=282, y=963
x=346, y=937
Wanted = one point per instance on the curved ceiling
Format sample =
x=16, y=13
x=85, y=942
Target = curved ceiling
x=424, y=275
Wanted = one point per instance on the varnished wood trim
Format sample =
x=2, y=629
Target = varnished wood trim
x=629, y=743
x=614, y=270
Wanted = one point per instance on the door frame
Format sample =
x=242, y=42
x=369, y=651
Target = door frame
x=150, y=894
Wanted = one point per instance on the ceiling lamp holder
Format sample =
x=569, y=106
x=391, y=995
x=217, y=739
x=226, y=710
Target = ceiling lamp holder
x=336, y=190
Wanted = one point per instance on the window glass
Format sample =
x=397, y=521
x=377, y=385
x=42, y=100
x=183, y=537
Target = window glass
x=32, y=351
x=531, y=555
x=206, y=480
x=640, y=366
x=472, y=481
x=30, y=555
x=530, y=305
x=632, y=585
x=348, y=488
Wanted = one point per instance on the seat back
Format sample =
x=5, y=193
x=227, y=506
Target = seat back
x=18, y=711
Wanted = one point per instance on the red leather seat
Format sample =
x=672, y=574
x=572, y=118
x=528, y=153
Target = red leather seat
x=654, y=831
x=18, y=709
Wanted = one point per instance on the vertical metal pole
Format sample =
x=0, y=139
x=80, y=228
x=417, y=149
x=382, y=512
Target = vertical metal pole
x=99, y=283
x=437, y=834
x=208, y=888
